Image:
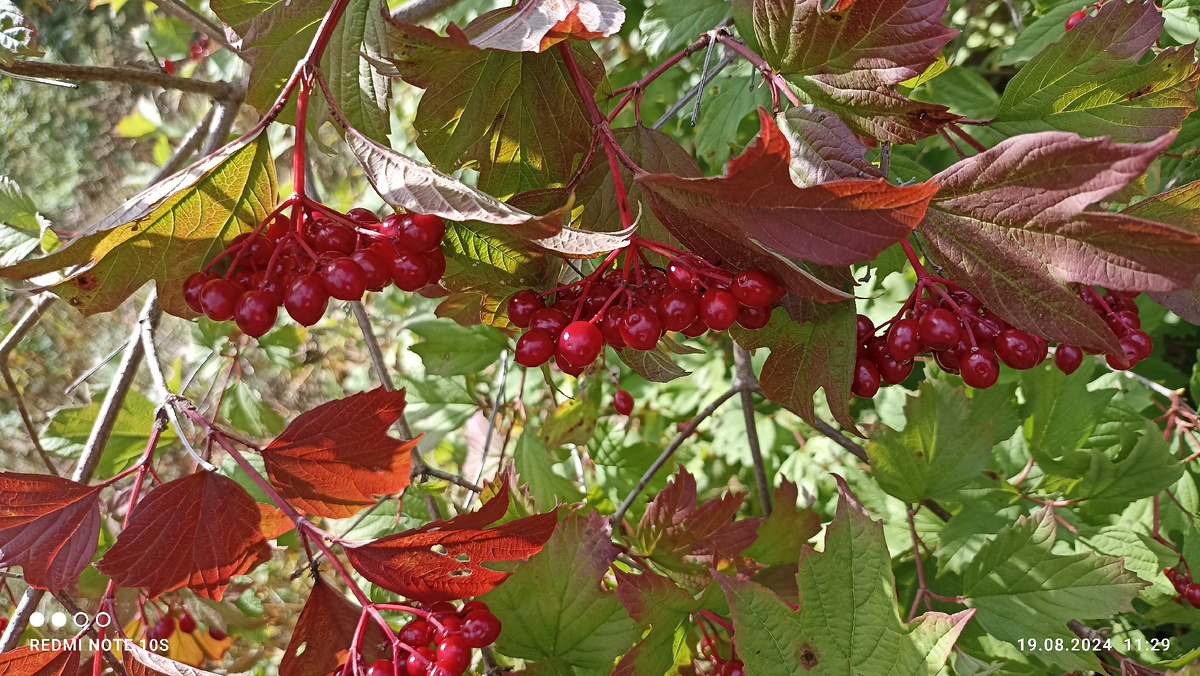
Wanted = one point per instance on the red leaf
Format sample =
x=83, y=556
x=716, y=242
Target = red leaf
x=536, y=25
x=1009, y=225
x=333, y=460
x=823, y=147
x=48, y=526
x=197, y=532
x=674, y=526
x=1180, y=208
x=755, y=216
x=29, y=662
x=324, y=632
x=443, y=560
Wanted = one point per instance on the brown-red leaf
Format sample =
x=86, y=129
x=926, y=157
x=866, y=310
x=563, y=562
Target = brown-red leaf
x=536, y=25
x=48, y=526
x=675, y=527
x=29, y=662
x=755, y=216
x=443, y=560
x=333, y=460
x=197, y=532
x=324, y=632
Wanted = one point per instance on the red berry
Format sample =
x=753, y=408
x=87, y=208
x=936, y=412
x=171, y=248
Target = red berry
x=697, y=329
x=1143, y=342
x=678, y=310
x=421, y=661
x=344, y=279
x=454, y=653
x=610, y=326
x=480, y=627
x=305, y=300
x=902, y=340
x=549, y=319
x=679, y=276
x=191, y=289
x=980, y=369
x=1075, y=18
x=1068, y=358
x=196, y=51
x=753, y=318
x=255, y=314
x=987, y=328
x=421, y=233
x=580, y=343
x=278, y=227
x=534, y=348
x=436, y=262
x=939, y=329
x=256, y=251
x=891, y=371
x=950, y=361
x=569, y=368
x=335, y=238
x=471, y=606
x=1018, y=349
x=1192, y=594
x=451, y=626
x=218, y=299
x=376, y=270
x=623, y=402
x=864, y=327
x=921, y=306
x=169, y=67
x=964, y=300
x=417, y=632
x=755, y=288
x=718, y=309
x=641, y=328
x=873, y=348
x=733, y=668
x=165, y=627
x=522, y=306
x=390, y=225
x=380, y=668
x=187, y=624
x=409, y=270
x=363, y=216
x=866, y=378
x=217, y=634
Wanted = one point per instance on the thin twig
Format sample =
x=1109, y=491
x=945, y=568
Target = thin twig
x=96, y=367
x=662, y=459
x=222, y=124
x=841, y=439
x=497, y=399
x=727, y=58
x=885, y=158
x=130, y=76
x=381, y=370
x=746, y=382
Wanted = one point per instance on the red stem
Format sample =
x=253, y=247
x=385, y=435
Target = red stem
x=774, y=80
x=636, y=88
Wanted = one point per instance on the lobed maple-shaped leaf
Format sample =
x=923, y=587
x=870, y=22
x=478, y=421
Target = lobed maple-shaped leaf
x=1019, y=588
x=755, y=216
x=1093, y=82
x=654, y=600
x=536, y=25
x=324, y=633
x=848, y=622
x=517, y=115
x=814, y=350
x=1179, y=208
x=48, y=526
x=678, y=533
x=25, y=661
x=166, y=232
x=197, y=531
x=333, y=460
x=555, y=607
x=1010, y=225
x=443, y=560
x=847, y=57
x=823, y=147
x=783, y=534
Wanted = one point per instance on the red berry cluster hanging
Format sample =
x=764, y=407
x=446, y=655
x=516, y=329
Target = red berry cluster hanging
x=634, y=305
x=440, y=644
x=164, y=628
x=942, y=319
x=1182, y=581
x=717, y=665
x=301, y=261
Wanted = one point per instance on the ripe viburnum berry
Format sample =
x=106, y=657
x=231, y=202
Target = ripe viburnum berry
x=580, y=343
x=623, y=402
x=187, y=624
x=534, y=348
x=1075, y=18
x=480, y=628
x=380, y=668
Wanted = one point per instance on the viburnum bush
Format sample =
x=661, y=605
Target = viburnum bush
x=506, y=290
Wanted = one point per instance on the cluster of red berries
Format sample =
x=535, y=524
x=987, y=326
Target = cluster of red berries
x=166, y=624
x=441, y=644
x=965, y=338
x=325, y=256
x=720, y=666
x=634, y=308
x=1182, y=582
x=197, y=50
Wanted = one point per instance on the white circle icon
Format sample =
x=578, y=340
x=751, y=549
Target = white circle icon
x=59, y=620
x=37, y=619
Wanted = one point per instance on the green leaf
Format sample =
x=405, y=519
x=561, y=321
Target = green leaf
x=783, y=535
x=553, y=605
x=941, y=448
x=962, y=90
x=654, y=600
x=69, y=429
x=16, y=207
x=848, y=622
x=984, y=513
x=244, y=409
x=1181, y=20
x=436, y=406
x=22, y=230
x=516, y=114
x=273, y=35
x=654, y=365
x=728, y=101
x=1037, y=36
x=574, y=421
x=1021, y=589
x=165, y=233
x=668, y=26
x=1060, y=413
x=361, y=92
x=819, y=353
x=1148, y=468
x=1091, y=81
x=1140, y=554
x=452, y=350
x=16, y=34
x=535, y=468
